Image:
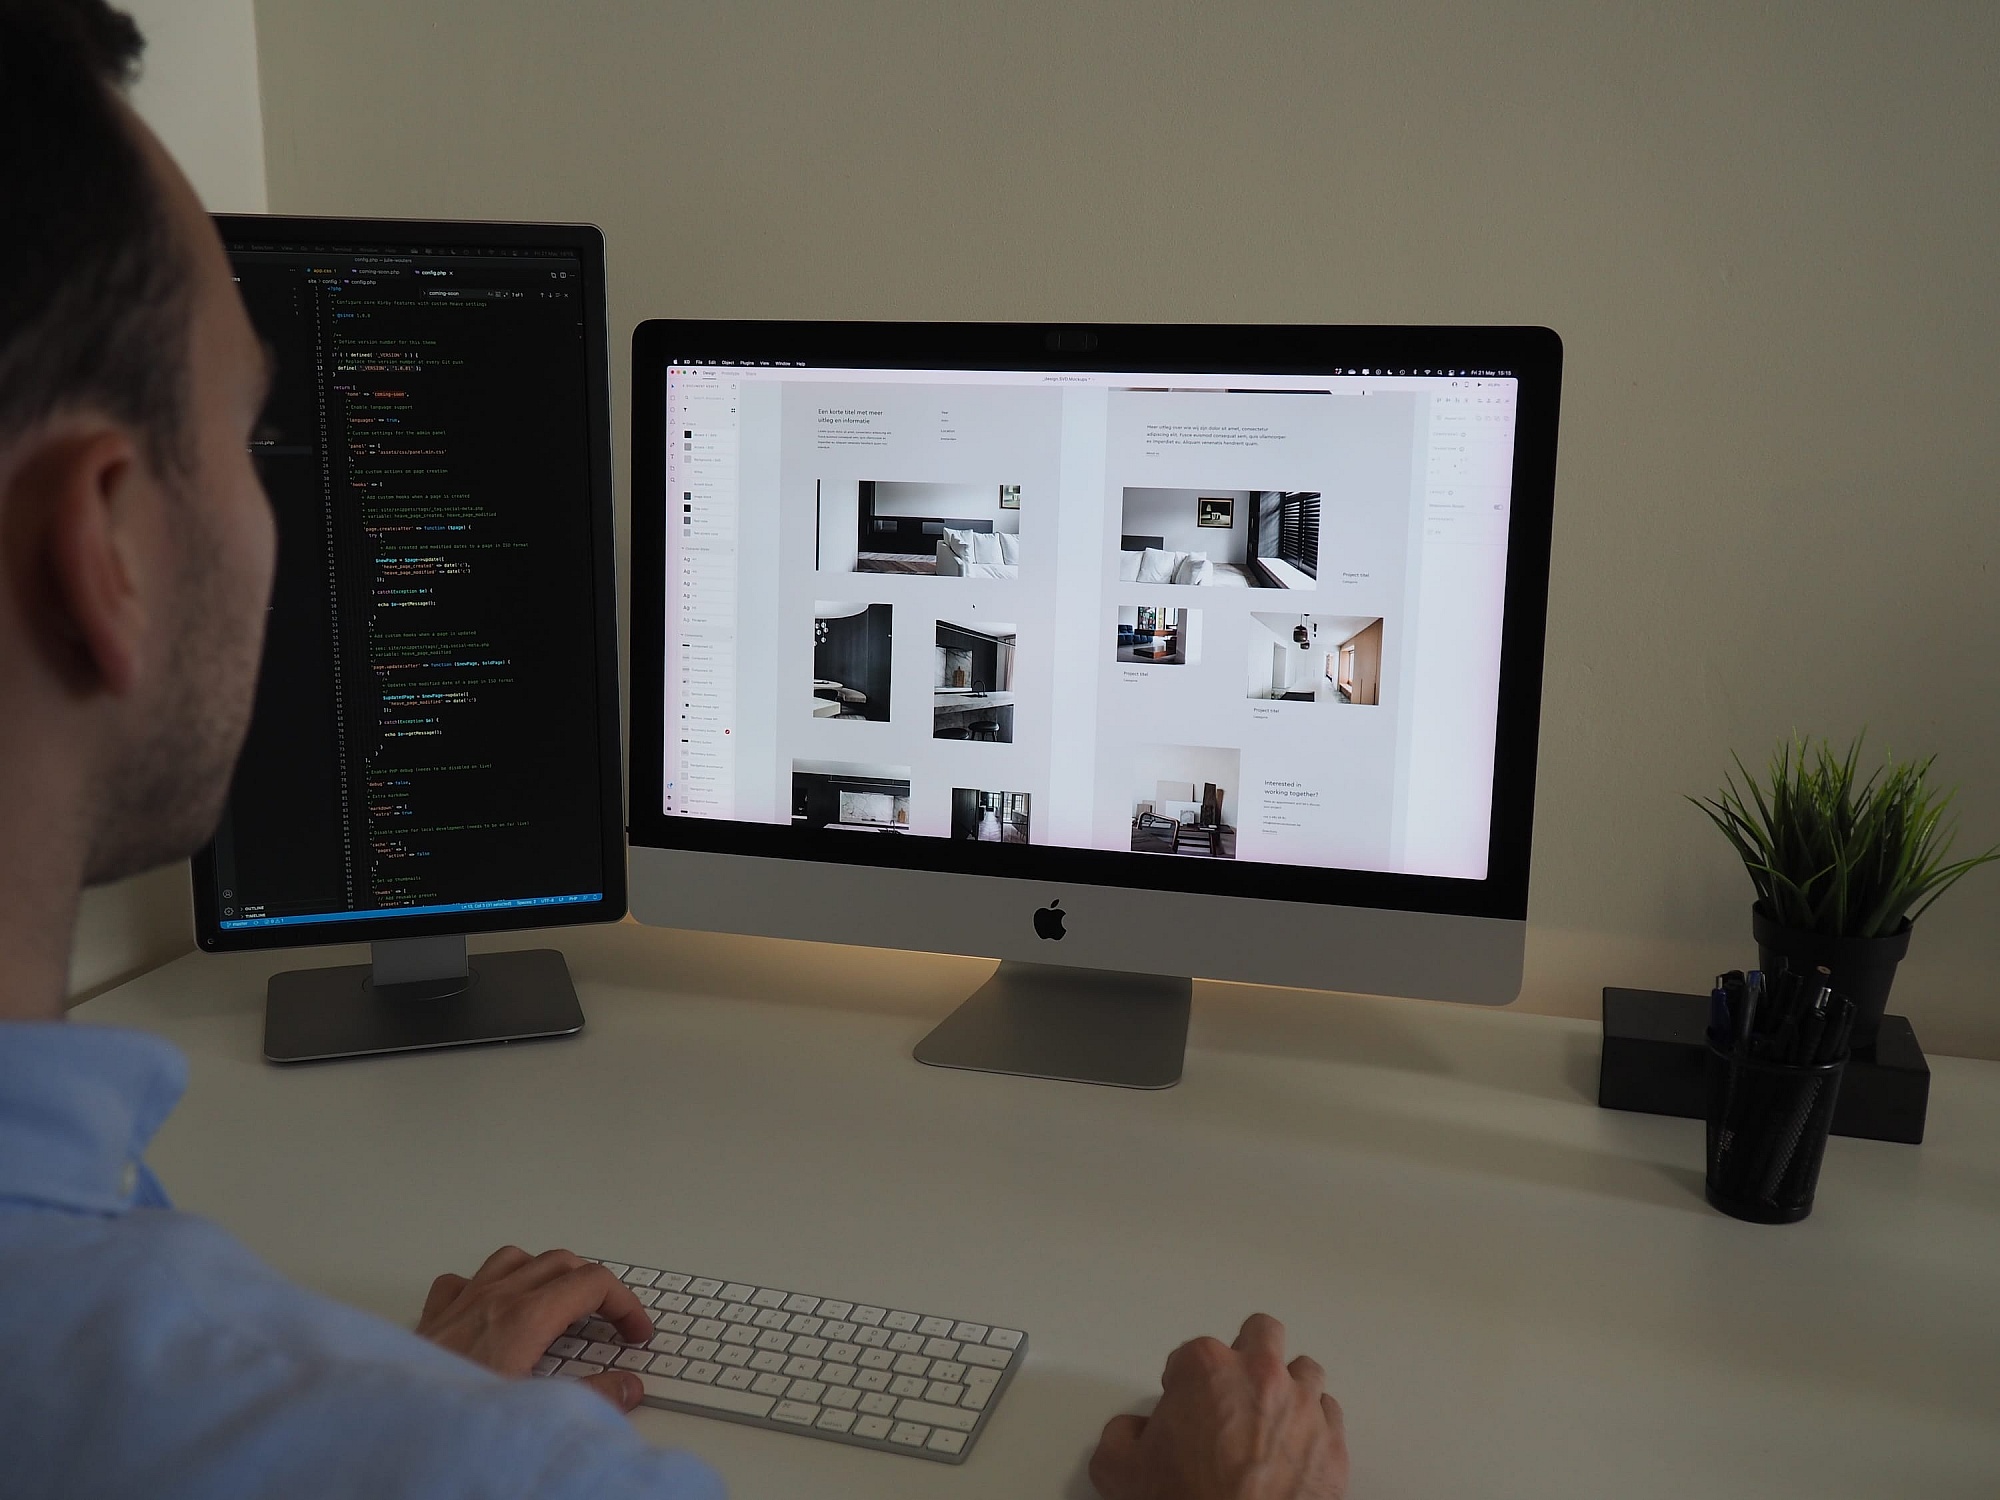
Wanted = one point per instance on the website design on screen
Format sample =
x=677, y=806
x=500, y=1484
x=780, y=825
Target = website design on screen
x=1158, y=614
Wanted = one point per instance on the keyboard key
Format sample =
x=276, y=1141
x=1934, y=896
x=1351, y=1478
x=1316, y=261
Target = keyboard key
x=1005, y=1338
x=737, y=1291
x=770, y=1319
x=846, y=1354
x=614, y=1267
x=738, y=1312
x=906, y=1385
x=835, y=1421
x=899, y=1320
x=931, y=1328
x=799, y=1302
x=768, y=1360
x=868, y=1316
x=667, y=1343
x=841, y=1397
x=639, y=1276
x=877, y=1404
x=801, y=1368
x=876, y=1359
x=937, y=1416
x=944, y=1369
x=700, y=1348
x=602, y=1354
x=872, y=1338
x=646, y=1295
x=905, y=1343
x=743, y=1403
x=946, y=1441
x=733, y=1354
x=838, y=1330
x=943, y=1392
x=576, y=1369
x=976, y=1398
x=671, y=1281
x=667, y=1364
x=941, y=1348
x=795, y=1411
x=970, y=1332
x=673, y=1322
x=671, y=1301
x=806, y=1390
x=912, y=1364
x=634, y=1359
x=706, y=1307
x=566, y=1348
x=800, y=1323
x=547, y=1365
x=596, y=1330
x=909, y=1434
x=771, y=1338
x=769, y=1385
x=700, y=1370
x=708, y=1328
x=703, y=1286
x=984, y=1380
x=872, y=1427
x=980, y=1354
x=811, y=1348
x=832, y=1309
x=736, y=1380
x=834, y=1374
x=743, y=1333
x=768, y=1296
x=872, y=1380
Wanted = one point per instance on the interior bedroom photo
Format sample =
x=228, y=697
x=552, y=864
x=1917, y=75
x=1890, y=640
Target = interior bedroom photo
x=1149, y=636
x=850, y=799
x=1244, y=539
x=933, y=530
x=989, y=817
x=972, y=687
x=1184, y=800
x=851, y=657
x=1316, y=659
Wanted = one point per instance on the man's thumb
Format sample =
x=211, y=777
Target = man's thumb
x=622, y=1390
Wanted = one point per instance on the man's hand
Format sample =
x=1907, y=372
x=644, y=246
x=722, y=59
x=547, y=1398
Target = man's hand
x=517, y=1304
x=1233, y=1423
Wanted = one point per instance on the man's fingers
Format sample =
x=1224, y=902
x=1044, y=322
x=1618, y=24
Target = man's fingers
x=1335, y=1419
x=620, y=1389
x=1195, y=1359
x=1307, y=1372
x=443, y=1290
x=1261, y=1334
x=1112, y=1465
x=501, y=1262
x=587, y=1290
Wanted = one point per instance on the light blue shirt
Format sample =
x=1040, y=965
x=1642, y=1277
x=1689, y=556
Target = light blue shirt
x=145, y=1353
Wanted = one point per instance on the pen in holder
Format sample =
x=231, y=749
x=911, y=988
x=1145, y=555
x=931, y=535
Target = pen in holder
x=1775, y=1058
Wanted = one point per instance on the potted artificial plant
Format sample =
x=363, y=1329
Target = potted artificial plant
x=1842, y=867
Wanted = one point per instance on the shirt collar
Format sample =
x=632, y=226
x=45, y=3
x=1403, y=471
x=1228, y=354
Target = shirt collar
x=78, y=1105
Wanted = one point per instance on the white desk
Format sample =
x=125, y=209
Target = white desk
x=1514, y=1293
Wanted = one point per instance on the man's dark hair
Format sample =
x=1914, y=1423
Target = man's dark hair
x=94, y=289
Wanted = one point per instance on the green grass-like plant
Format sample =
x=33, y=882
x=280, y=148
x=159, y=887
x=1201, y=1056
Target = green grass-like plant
x=1831, y=854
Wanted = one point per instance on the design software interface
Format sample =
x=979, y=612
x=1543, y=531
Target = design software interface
x=424, y=739
x=1164, y=614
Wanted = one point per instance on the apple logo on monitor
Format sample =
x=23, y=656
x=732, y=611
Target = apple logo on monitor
x=1049, y=920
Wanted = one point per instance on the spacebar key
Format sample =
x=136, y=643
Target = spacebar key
x=743, y=1403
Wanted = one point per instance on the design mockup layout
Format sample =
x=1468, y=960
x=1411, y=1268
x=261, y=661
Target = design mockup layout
x=1164, y=615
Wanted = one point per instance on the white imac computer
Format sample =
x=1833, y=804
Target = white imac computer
x=1126, y=655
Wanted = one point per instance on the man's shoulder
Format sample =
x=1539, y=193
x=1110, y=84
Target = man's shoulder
x=161, y=1328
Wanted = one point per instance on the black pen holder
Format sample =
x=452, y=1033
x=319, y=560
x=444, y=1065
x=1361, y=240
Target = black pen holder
x=1767, y=1129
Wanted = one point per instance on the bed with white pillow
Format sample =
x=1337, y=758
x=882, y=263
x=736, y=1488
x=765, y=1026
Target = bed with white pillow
x=978, y=554
x=1163, y=565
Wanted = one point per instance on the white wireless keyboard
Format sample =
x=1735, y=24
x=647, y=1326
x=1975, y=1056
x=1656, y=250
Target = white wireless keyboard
x=876, y=1377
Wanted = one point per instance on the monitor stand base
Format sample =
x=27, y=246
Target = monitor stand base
x=420, y=993
x=1078, y=1025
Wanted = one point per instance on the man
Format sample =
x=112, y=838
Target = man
x=145, y=1352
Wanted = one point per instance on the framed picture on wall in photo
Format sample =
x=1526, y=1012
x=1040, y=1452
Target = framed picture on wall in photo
x=1210, y=510
x=1010, y=497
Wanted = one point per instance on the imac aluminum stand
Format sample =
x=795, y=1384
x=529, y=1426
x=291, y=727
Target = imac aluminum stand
x=1079, y=1025
x=419, y=993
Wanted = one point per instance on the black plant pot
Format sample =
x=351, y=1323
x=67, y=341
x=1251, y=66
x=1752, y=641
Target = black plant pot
x=1862, y=968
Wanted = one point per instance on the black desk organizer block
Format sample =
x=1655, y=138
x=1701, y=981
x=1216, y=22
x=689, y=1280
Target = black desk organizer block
x=1655, y=1059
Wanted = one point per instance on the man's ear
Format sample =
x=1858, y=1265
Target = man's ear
x=72, y=509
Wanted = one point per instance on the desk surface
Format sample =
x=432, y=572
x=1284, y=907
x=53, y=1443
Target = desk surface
x=1514, y=1292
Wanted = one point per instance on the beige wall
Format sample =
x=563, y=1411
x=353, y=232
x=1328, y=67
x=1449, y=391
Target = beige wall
x=1767, y=235
x=199, y=92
